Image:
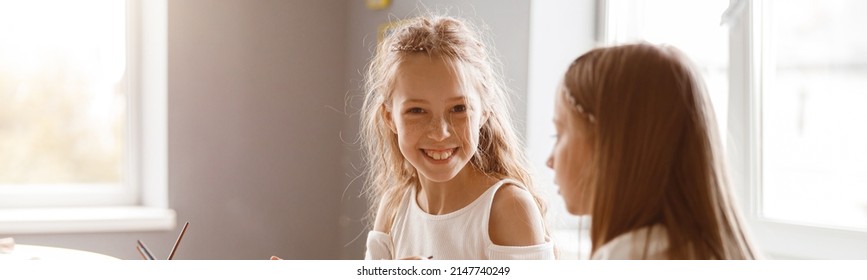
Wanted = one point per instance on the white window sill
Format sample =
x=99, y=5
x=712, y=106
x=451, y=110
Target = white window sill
x=90, y=219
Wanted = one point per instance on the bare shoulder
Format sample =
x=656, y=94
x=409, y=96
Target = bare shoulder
x=515, y=218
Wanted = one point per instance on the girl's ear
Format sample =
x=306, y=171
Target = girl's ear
x=386, y=114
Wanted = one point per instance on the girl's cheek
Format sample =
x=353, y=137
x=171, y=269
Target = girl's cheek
x=413, y=124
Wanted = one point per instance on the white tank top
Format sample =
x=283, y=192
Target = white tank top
x=459, y=235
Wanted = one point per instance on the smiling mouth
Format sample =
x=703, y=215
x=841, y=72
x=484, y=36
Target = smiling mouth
x=438, y=155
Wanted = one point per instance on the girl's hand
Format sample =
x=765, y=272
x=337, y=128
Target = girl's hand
x=276, y=258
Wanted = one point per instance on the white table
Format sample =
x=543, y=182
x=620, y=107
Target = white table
x=34, y=252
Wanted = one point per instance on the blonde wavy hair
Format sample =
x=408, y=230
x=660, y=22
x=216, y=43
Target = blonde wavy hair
x=656, y=157
x=499, y=153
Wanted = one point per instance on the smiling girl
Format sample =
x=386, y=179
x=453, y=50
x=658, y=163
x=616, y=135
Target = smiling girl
x=445, y=171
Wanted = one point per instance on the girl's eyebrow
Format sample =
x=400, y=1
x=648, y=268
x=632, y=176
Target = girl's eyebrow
x=416, y=100
x=457, y=99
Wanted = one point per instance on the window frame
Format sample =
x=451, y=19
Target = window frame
x=77, y=194
x=142, y=204
x=774, y=237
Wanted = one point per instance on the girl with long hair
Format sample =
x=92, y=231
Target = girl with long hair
x=445, y=173
x=637, y=150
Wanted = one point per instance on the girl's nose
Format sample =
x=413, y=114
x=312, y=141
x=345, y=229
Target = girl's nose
x=550, y=162
x=439, y=129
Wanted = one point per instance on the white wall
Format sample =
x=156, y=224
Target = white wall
x=560, y=31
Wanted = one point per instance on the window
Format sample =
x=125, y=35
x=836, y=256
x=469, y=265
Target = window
x=64, y=112
x=691, y=26
x=799, y=69
x=82, y=110
x=698, y=33
x=813, y=152
x=786, y=81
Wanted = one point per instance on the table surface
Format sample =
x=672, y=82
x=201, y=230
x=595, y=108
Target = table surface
x=35, y=252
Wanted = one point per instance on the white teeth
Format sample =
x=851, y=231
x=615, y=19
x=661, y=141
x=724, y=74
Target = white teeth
x=439, y=155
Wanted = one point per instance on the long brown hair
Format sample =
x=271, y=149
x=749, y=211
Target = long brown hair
x=499, y=154
x=656, y=154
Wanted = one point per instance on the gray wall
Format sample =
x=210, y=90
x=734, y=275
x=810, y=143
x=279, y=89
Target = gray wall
x=253, y=146
x=507, y=24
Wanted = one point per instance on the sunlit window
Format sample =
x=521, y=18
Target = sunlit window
x=787, y=81
x=691, y=26
x=698, y=33
x=63, y=95
x=813, y=118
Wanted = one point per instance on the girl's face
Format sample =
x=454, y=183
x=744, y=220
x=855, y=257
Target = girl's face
x=436, y=120
x=570, y=158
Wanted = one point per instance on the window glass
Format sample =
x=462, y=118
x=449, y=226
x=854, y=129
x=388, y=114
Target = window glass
x=691, y=26
x=813, y=118
x=63, y=95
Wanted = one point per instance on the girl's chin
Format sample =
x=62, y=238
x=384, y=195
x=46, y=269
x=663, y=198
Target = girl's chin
x=577, y=210
x=439, y=173
x=439, y=177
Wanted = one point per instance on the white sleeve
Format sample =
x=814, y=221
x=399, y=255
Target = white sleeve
x=636, y=245
x=379, y=246
x=544, y=251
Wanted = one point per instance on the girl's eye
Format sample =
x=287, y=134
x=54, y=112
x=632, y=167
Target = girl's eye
x=459, y=108
x=415, y=110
